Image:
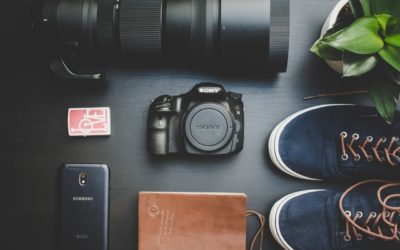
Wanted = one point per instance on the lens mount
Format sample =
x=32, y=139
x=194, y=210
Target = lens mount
x=209, y=127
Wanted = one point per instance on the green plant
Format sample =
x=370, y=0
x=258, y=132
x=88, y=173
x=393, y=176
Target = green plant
x=367, y=40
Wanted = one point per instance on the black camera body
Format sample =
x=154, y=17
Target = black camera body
x=205, y=121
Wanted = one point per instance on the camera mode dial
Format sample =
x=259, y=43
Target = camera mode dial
x=162, y=103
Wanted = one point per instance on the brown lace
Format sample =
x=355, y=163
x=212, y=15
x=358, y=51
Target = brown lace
x=260, y=232
x=373, y=225
x=388, y=154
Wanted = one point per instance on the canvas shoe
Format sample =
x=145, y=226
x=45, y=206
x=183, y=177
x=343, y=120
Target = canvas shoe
x=365, y=216
x=337, y=141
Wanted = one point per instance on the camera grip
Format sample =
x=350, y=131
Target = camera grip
x=158, y=134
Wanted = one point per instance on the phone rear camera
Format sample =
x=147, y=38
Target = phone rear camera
x=83, y=179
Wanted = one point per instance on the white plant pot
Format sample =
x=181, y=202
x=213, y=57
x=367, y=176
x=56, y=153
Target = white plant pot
x=329, y=23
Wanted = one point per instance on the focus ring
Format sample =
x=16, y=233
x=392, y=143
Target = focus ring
x=141, y=26
x=279, y=34
x=105, y=25
x=89, y=20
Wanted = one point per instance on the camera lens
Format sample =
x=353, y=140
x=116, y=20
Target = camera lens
x=209, y=127
x=230, y=31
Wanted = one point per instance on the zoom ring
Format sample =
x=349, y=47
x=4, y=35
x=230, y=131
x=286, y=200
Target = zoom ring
x=140, y=26
x=279, y=33
x=105, y=25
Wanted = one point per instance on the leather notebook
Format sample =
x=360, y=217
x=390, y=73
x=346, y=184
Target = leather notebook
x=192, y=221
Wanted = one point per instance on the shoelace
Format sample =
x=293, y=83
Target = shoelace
x=259, y=235
x=375, y=223
x=388, y=154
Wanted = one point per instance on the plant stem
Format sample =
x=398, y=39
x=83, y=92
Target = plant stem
x=355, y=92
x=356, y=8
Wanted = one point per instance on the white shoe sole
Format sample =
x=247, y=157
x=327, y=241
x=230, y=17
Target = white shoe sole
x=273, y=143
x=275, y=213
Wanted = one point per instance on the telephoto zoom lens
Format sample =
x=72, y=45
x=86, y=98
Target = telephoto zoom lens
x=242, y=32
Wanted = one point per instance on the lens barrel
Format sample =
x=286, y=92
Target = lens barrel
x=141, y=26
x=107, y=25
x=251, y=32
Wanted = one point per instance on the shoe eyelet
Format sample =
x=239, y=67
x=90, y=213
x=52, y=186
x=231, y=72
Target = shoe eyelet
x=370, y=138
x=347, y=238
x=347, y=213
x=384, y=139
x=359, y=214
x=359, y=237
x=357, y=157
x=387, y=214
x=396, y=138
x=356, y=136
x=370, y=158
x=345, y=157
x=343, y=134
x=371, y=238
x=373, y=215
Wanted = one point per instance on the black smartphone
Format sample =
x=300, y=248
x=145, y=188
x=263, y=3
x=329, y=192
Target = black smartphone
x=84, y=207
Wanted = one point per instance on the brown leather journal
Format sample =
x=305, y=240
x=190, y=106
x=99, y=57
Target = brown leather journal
x=192, y=221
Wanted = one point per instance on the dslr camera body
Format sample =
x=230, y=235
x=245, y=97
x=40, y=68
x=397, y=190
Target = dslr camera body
x=205, y=121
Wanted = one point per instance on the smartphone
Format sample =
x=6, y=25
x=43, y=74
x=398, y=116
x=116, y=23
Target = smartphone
x=84, y=207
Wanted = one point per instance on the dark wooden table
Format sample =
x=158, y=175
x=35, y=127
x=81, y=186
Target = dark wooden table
x=34, y=141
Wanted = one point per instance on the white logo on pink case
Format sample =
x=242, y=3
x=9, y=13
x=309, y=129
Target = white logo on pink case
x=89, y=122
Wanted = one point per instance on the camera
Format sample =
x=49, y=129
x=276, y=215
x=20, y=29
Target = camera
x=205, y=121
x=228, y=32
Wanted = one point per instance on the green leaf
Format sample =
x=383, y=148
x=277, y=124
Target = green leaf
x=393, y=74
x=333, y=33
x=386, y=22
x=324, y=51
x=365, y=4
x=391, y=55
x=362, y=37
x=356, y=8
x=393, y=40
x=384, y=95
x=391, y=7
x=357, y=65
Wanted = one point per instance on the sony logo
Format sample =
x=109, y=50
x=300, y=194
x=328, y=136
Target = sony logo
x=210, y=90
x=82, y=236
x=80, y=198
x=205, y=126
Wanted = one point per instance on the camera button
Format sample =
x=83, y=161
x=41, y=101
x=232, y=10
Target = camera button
x=238, y=126
x=235, y=96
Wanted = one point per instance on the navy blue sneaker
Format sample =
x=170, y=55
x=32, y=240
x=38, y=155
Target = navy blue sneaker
x=338, y=141
x=365, y=216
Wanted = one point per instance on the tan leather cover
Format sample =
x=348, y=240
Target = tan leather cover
x=192, y=221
